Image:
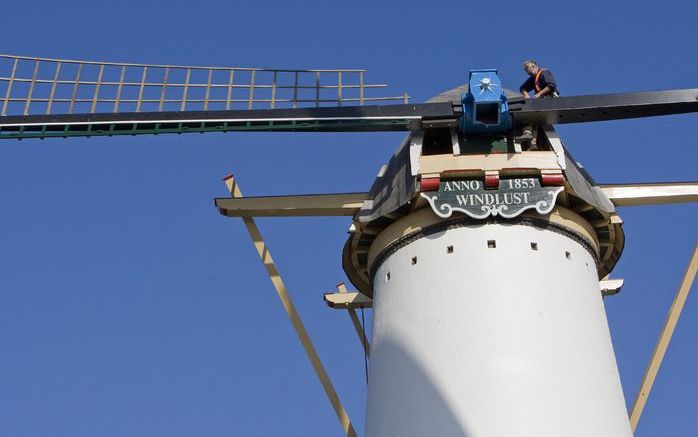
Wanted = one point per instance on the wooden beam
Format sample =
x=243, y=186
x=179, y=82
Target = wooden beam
x=290, y=308
x=609, y=287
x=348, y=300
x=343, y=204
x=348, y=204
x=651, y=194
x=664, y=338
x=358, y=327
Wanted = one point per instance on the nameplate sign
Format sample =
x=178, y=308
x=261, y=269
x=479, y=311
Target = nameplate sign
x=513, y=197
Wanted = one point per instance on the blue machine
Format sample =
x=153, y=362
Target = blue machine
x=485, y=108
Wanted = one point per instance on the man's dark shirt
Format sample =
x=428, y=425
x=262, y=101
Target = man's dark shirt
x=546, y=78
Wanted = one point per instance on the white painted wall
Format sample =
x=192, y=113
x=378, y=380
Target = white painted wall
x=506, y=341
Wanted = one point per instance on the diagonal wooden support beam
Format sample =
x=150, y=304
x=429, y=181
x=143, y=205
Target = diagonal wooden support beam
x=664, y=338
x=290, y=308
x=360, y=331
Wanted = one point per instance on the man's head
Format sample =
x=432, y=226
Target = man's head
x=531, y=67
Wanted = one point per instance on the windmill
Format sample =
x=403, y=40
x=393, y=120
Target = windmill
x=460, y=197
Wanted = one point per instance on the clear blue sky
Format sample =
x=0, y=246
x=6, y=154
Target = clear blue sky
x=128, y=306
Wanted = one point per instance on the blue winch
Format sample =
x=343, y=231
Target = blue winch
x=485, y=108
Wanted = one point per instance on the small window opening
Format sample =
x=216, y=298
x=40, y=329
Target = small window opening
x=449, y=249
x=387, y=277
x=414, y=260
x=568, y=255
x=491, y=244
x=534, y=246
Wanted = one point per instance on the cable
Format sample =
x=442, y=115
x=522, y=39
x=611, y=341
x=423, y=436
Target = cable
x=363, y=324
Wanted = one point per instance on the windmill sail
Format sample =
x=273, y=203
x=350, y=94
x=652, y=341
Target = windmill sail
x=580, y=109
x=41, y=97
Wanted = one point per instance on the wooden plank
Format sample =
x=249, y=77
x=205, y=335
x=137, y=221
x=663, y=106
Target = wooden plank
x=31, y=88
x=53, y=87
x=140, y=89
x=230, y=90
x=664, y=339
x=163, y=90
x=250, y=101
x=651, y=194
x=208, y=89
x=95, y=97
x=497, y=161
x=344, y=300
x=185, y=90
x=609, y=287
x=75, y=89
x=344, y=204
x=119, y=88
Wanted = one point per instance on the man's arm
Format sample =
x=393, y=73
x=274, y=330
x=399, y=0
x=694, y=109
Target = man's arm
x=526, y=87
x=544, y=92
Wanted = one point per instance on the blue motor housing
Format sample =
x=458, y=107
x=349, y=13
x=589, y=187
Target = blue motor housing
x=485, y=108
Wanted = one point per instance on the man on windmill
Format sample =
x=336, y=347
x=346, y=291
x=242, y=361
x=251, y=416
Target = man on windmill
x=540, y=80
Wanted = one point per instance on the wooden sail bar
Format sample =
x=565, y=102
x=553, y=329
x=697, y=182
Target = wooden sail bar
x=45, y=86
x=368, y=118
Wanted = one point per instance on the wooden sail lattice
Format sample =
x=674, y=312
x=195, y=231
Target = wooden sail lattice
x=42, y=86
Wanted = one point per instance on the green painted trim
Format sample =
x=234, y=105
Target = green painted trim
x=111, y=130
